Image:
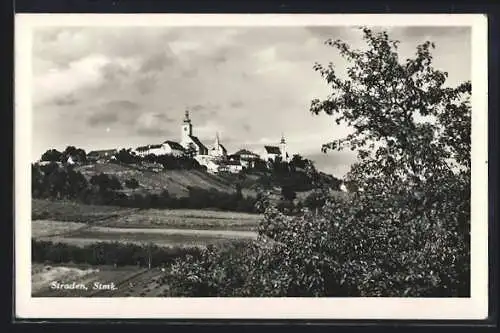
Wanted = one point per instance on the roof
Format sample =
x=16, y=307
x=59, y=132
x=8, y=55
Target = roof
x=174, y=145
x=272, y=150
x=232, y=163
x=142, y=148
x=244, y=152
x=154, y=146
x=101, y=152
x=222, y=147
x=198, y=142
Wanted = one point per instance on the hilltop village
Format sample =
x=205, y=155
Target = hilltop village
x=215, y=157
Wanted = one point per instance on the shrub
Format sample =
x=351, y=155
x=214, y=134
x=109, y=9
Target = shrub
x=132, y=183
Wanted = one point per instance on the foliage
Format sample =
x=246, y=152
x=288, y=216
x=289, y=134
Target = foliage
x=51, y=155
x=404, y=232
x=126, y=156
x=53, y=181
x=108, y=253
x=171, y=162
x=132, y=183
x=106, y=182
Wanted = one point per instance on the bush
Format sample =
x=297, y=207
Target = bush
x=108, y=253
x=363, y=247
x=132, y=183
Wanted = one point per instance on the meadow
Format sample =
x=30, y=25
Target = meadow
x=75, y=224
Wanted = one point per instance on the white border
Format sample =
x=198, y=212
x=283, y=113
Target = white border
x=250, y=308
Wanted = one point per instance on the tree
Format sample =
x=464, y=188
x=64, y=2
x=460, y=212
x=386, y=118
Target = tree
x=408, y=128
x=132, y=183
x=298, y=161
x=288, y=193
x=405, y=232
x=51, y=155
x=77, y=154
x=126, y=156
x=191, y=150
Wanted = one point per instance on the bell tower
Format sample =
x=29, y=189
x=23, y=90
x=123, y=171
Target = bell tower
x=186, y=130
x=283, y=149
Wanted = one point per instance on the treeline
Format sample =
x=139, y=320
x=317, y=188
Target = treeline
x=108, y=254
x=53, y=155
x=197, y=198
x=54, y=182
x=297, y=175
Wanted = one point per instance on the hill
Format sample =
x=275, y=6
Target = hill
x=177, y=182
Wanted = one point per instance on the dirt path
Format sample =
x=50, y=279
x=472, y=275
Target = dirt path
x=173, y=231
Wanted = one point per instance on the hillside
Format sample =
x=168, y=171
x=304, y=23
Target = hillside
x=176, y=182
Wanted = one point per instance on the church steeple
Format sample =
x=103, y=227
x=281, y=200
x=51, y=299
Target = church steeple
x=186, y=117
x=283, y=150
x=217, y=141
x=186, y=130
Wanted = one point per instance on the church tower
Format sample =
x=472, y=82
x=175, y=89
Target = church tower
x=283, y=150
x=187, y=130
x=217, y=143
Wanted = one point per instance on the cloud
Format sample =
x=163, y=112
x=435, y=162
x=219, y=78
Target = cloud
x=333, y=162
x=236, y=104
x=104, y=118
x=153, y=124
x=112, y=112
x=64, y=100
x=155, y=62
x=436, y=32
x=139, y=81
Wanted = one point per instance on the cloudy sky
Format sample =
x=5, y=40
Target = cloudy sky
x=100, y=88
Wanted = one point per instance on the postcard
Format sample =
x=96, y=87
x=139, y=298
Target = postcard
x=257, y=166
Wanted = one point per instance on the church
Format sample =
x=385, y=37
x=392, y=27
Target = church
x=215, y=158
x=188, y=140
x=274, y=152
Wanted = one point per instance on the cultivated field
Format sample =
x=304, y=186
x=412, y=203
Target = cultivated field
x=147, y=218
x=78, y=224
x=50, y=228
x=75, y=212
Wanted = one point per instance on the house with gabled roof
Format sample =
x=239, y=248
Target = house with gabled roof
x=101, y=155
x=245, y=157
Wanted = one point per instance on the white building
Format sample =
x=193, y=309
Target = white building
x=188, y=140
x=246, y=158
x=101, y=155
x=166, y=148
x=273, y=152
x=173, y=148
x=218, y=150
x=233, y=166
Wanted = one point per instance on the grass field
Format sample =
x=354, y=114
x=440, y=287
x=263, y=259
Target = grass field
x=159, y=237
x=78, y=224
x=50, y=228
x=63, y=210
x=148, y=218
x=176, y=181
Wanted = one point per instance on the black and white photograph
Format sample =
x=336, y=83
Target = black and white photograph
x=194, y=158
